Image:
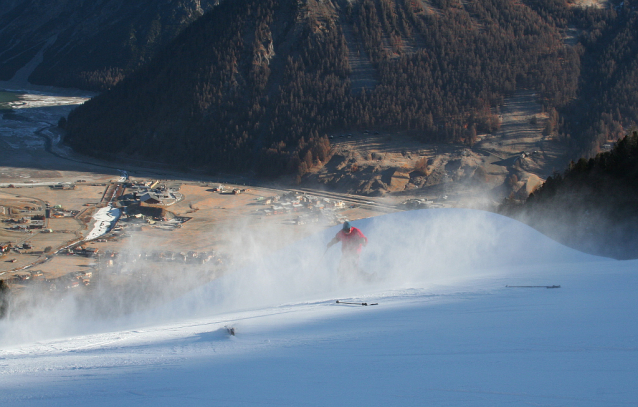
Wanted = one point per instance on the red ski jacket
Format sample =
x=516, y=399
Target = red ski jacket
x=351, y=242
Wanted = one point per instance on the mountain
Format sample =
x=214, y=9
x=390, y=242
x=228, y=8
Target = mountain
x=260, y=85
x=87, y=44
x=447, y=330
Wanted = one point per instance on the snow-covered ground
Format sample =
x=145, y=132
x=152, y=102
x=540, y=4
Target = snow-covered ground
x=446, y=330
x=104, y=219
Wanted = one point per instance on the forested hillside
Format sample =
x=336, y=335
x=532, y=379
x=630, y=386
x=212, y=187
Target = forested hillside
x=88, y=44
x=257, y=85
x=595, y=200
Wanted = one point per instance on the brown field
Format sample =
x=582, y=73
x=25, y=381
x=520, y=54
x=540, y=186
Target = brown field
x=54, y=240
x=69, y=224
x=69, y=199
x=59, y=266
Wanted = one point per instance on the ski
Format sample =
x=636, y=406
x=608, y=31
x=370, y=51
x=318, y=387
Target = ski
x=532, y=286
x=356, y=303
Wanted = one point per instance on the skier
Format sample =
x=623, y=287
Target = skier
x=352, y=241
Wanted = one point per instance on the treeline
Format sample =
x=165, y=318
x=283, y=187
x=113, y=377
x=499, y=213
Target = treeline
x=258, y=85
x=606, y=104
x=595, y=201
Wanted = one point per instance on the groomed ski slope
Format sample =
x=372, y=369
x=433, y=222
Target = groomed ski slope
x=446, y=330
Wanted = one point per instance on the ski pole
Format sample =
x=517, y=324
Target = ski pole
x=356, y=303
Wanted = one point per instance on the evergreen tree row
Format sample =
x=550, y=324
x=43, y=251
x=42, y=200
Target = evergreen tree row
x=596, y=201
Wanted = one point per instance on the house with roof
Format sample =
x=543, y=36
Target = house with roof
x=151, y=198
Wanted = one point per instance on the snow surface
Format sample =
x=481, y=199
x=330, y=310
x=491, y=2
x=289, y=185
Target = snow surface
x=104, y=218
x=446, y=330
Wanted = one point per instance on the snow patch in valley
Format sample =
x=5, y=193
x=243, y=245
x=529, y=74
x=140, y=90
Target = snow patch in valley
x=104, y=218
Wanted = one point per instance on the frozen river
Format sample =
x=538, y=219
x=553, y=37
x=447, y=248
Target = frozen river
x=33, y=113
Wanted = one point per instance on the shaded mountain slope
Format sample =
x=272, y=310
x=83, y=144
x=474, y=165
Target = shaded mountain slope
x=258, y=85
x=88, y=45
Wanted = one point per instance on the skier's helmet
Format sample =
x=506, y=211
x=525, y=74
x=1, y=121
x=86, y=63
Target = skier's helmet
x=346, y=226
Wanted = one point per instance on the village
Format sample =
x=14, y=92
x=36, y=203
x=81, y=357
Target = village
x=76, y=235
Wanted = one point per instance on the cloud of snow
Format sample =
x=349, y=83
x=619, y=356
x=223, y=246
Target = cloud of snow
x=416, y=249
x=409, y=250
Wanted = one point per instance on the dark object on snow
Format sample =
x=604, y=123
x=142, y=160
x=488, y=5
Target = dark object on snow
x=356, y=303
x=532, y=286
x=230, y=330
